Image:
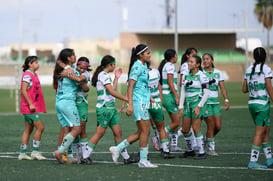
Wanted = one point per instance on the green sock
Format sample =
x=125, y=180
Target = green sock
x=67, y=141
x=122, y=145
x=143, y=153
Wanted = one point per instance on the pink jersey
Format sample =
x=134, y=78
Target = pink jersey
x=35, y=94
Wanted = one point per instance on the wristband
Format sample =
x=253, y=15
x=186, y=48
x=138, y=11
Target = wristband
x=226, y=100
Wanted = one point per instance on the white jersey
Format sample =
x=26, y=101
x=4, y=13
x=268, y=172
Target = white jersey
x=103, y=95
x=80, y=92
x=256, y=85
x=193, y=85
x=184, y=69
x=154, y=77
x=215, y=77
x=168, y=68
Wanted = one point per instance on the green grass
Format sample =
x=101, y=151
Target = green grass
x=7, y=97
x=232, y=143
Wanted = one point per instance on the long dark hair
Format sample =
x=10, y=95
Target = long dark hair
x=259, y=54
x=28, y=60
x=210, y=55
x=136, y=51
x=106, y=60
x=168, y=55
x=64, y=54
x=198, y=60
x=188, y=51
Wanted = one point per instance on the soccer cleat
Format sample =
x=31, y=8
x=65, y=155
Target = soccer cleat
x=146, y=164
x=212, y=153
x=200, y=156
x=155, y=143
x=269, y=162
x=130, y=160
x=72, y=160
x=187, y=154
x=37, y=155
x=255, y=166
x=167, y=155
x=87, y=161
x=64, y=157
x=58, y=156
x=24, y=156
x=175, y=149
x=115, y=153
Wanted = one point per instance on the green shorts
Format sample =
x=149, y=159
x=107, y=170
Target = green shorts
x=156, y=112
x=189, y=107
x=260, y=114
x=170, y=104
x=82, y=107
x=32, y=117
x=107, y=117
x=212, y=110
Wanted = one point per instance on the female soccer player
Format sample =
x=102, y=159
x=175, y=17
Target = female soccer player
x=257, y=83
x=66, y=109
x=107, y=114
x=168, y=80
x=32, y=103
x=156, y=112
x=212, y=114
x=138, y=103
x=194, y=94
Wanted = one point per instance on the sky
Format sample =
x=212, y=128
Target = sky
x=51, y=21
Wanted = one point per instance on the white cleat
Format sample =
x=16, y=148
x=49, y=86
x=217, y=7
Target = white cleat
x=37, y=155
x=146, y=164
x=212, y=153
x=115, y=153
x=24, y=156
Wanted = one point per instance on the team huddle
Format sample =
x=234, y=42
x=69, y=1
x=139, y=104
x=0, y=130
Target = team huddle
x=148, y=91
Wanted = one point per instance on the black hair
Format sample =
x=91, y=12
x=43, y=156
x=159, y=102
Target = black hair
x=28, y=60
x=188, y=51
x=210, y=55
x=64, y=54
x=259, y=57
x=106, y=60
x=168, y=55
x=136, y=51
x=84, y=59
x=198, y=60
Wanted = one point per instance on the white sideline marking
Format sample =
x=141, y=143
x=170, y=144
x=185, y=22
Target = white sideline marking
x=8, y=155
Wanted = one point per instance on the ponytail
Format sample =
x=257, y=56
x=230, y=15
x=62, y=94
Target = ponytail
x=259, y=54
x=106, y=60
x=28, y=60
x=168, y=55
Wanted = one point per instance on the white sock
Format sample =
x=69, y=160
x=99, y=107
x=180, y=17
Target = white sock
x=193, y=139
x=179, y=132
x=174, y=139
x=165, y=147
x=124, y=154
x=83, y=146
x=87, y=152
x=255, y=151
x=200, y=143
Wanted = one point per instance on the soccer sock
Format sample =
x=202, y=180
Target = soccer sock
x=179, y=132
x=88, y=150
x=83, y=143
x=67, y=141
x=122, y=145
x=193, y=139
x=174, y=139
x=200, y=142
x=165, y=145
x=77, y=146
x=211, y=143
x=35, y=145
x=69, y=151
x=23, y=148
x=255, y=151
x=267, y=150
x=187, y=138
x=143, y=153
x=123, y=152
